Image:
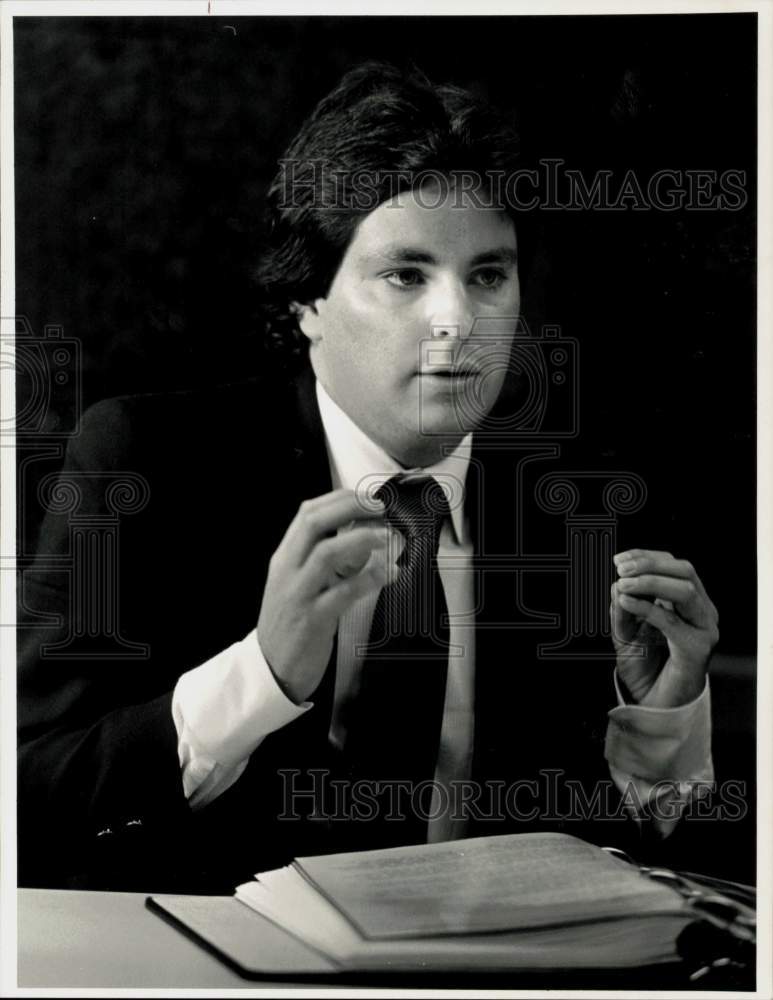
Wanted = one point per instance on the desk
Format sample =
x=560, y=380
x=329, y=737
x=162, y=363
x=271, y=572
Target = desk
x=75, y=939
x=108, y=939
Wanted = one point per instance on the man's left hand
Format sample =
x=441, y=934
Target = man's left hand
x=664, y=627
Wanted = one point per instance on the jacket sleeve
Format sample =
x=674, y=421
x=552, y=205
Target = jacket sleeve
x=100, y=797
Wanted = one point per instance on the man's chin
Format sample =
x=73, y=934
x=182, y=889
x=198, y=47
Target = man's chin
x=452, y=417
x=428, y=443
x=449, y=405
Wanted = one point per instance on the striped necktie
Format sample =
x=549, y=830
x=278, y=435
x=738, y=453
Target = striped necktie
x=397, y=717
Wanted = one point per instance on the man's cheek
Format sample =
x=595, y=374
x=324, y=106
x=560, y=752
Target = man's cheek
x=368, y=297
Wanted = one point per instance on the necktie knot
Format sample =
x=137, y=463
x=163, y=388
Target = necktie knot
x=416, y=506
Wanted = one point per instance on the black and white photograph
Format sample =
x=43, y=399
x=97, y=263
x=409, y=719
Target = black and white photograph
x=383, y=505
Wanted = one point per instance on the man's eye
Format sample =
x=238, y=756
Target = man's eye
x=490, y=277
x=406, y=277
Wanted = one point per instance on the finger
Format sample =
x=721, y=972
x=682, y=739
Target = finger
x=345, y=555
x=623, y=624
x=629, y=630
x=682, y=594
x=666, y=621
x=635, y=562
x=340, y=597
x=323, y=516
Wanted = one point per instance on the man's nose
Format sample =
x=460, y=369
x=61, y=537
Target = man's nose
x=450, y=314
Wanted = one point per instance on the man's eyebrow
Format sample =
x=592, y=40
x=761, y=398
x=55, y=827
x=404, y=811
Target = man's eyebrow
x=396, y=253
x=501, y=255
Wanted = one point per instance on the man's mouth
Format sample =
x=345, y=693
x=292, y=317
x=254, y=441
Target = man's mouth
x=448, y=373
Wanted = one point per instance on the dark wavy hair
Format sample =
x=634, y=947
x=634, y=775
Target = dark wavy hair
x=379, y=132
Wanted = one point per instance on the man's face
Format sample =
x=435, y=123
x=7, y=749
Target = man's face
x=412, y=338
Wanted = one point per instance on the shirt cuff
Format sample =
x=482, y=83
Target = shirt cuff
x=661, y=744
x=224, y=709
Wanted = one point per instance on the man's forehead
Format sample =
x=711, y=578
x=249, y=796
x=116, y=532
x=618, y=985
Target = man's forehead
x=422, y=227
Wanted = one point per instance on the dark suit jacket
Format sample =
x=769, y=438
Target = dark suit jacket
x=101, y=802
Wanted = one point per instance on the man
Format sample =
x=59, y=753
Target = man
x=313, y=652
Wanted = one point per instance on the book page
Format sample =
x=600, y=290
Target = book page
x=288, y=899
x=484, y=884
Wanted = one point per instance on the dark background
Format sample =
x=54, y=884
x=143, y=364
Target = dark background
x=143, y=149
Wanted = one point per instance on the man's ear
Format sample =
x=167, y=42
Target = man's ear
x=309, y=320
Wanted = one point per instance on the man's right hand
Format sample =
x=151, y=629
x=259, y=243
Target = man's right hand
x=314, y=576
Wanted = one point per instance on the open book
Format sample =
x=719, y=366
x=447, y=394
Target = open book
x=532, y=901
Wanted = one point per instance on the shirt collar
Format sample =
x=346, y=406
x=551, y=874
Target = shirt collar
x=354, y=457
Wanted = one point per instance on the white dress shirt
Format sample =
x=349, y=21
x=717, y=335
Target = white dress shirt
x=224, y=708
